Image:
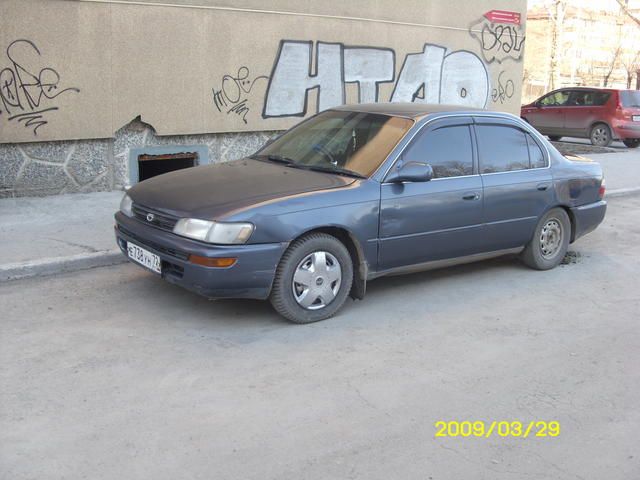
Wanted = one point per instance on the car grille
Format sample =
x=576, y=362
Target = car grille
x=153, y=217
x=160, y=248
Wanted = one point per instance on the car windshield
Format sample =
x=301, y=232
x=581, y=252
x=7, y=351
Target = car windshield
x=630, y=98
x=352, y=143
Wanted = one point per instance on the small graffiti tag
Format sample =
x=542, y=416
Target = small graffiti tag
x=503, y=91
x=231, y=97
x=498, y=42
x=27, y=87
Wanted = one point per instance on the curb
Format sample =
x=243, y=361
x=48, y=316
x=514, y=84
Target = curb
x=52, y=266
x=622, y=192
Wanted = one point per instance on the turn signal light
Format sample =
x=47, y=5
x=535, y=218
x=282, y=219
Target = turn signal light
x=217, y=262
x=602, y=189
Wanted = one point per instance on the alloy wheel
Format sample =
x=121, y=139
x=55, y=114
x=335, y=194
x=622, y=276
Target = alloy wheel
x=600, y=135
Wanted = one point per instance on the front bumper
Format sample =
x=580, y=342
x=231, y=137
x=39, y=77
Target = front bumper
x=250, y=277
x=587, y=218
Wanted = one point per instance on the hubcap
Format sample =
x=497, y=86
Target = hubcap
x=316, y=280
x=551, y=238
x=600, y=135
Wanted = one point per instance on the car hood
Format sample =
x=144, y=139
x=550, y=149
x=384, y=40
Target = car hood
x=213, y=191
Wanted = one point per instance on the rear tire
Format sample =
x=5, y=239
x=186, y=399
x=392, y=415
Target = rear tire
x=550, y=241
x=632, y=142
x=554, y=138
x=313, y=279
x=600, y=135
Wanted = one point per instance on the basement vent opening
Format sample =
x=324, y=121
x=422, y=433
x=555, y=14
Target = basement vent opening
x=152, y=165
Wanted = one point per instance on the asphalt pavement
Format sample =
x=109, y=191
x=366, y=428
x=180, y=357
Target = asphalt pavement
x=112, y=373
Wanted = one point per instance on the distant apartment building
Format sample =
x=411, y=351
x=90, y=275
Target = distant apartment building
x=577, y=43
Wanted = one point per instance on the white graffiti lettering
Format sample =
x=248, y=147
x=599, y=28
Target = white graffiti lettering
x=430, y=76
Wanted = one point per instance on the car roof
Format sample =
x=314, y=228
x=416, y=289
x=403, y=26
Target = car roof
x=599, y=89
x=407, y=110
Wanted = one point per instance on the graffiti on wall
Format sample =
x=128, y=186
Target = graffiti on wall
x=433, y=75
x=232, y=95
x=28, y=86
x=503, y=90
x=500, y=36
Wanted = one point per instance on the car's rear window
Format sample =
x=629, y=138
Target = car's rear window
x=630, y=98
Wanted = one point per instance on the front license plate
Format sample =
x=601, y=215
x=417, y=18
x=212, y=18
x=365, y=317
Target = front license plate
x=636, y=118
x=144, y=257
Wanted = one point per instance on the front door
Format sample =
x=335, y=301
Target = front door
x=438, y=219
x=548, y=116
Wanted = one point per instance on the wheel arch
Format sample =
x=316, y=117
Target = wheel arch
x=360, y=266
x=572, y=220
x=604, y=122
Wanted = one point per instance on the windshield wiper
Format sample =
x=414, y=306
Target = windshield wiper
x=336, y=170
x=274, y=158
x=318, y=168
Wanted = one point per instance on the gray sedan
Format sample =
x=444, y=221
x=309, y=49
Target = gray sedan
x=358, y=192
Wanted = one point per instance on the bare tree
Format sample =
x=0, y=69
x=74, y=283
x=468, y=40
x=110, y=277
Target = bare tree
x=631, y=63
x=625, y=10
x=556, y=14
x=612, y=64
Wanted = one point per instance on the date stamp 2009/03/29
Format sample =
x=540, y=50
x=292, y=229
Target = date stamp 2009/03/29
x=504, y=428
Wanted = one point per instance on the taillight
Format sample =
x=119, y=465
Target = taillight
x=622, y=112
x=602, y=189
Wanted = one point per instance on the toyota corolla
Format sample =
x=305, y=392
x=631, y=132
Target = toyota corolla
x=358, y=192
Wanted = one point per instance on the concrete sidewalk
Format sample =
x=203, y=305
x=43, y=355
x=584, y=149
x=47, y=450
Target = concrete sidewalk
x=49, y=235
x=42, y=236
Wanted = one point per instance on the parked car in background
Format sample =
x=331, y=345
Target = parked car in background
x=600, y=114
x=359, y=192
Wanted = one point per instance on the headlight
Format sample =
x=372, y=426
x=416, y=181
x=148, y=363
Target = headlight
x=125, y=205
x=214, y=232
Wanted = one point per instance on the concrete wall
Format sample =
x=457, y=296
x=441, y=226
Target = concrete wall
x=49, y=168
x=78, y=72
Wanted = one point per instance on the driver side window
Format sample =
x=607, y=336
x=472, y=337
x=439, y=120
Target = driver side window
x=556, y=99
x=448, y=150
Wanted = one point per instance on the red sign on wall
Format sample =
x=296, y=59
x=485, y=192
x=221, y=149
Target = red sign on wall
x=503, y=16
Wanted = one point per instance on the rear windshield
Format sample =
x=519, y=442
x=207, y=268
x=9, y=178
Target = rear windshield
x=630, y=98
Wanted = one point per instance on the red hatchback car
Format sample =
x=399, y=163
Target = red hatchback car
x=600, y=114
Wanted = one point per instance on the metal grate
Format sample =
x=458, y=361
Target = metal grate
x=153, y=217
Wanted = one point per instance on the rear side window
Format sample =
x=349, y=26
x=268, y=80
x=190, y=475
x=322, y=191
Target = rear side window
x=588, y=98
x=502, y=149
x=536, y=157
x=630, y=98
x=600, y=98
x=447, y=150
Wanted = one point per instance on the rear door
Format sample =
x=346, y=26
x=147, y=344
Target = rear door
x=517, y=182
x=441, y=218
x=584, y=108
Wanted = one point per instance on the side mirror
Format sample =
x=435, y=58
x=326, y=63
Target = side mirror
x=411, y=172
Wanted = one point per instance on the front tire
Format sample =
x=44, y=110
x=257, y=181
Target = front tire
x=600, y=135
x=554, y=138
x=313, y=279
x=550, y=241
x=632, y=142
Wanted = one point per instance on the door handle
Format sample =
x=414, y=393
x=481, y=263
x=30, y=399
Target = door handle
x=542, y=186
x=471, y=196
